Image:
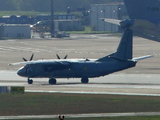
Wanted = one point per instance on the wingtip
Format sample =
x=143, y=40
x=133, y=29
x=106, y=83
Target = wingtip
x=10, y=64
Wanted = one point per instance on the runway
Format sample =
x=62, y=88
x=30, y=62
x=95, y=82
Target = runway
x=81, y=115
x=118, y=84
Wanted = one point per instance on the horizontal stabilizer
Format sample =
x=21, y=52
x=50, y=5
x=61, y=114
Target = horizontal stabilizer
x=142, y=57
x=123, y=23
x=113, y=21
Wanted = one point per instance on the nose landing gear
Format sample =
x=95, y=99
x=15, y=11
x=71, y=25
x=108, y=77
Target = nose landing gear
x=30, y=81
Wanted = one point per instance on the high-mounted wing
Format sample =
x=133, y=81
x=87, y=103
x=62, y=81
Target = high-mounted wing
x=53, y=62
x=47, y=65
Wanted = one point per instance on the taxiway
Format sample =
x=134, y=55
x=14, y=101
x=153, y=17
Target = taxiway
x=140, y=80
x=121, y=84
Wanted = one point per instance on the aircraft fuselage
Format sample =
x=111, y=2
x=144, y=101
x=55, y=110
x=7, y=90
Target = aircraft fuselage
x=77, y=69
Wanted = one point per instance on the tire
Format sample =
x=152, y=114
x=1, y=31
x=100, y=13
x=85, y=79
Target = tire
x=84, y=80
x=52, y=81
x=30, y=81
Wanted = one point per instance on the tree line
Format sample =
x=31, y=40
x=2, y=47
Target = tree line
x=44, y=5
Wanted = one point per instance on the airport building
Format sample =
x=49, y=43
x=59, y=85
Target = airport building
x=15, y=31
x=16, y=19
x=66, y=22
x=110, y=10
x=23, y=19
x=69, y=25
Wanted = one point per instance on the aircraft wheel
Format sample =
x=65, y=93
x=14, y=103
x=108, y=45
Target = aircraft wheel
x=85, y=80
x=52, y=81
x=30, y=81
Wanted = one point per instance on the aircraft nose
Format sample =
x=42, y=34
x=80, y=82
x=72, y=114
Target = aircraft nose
x=21, y=72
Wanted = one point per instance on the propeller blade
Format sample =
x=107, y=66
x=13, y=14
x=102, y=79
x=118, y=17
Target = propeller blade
x=66, y=57
x=25, y=59
x=31, y=57
x=58, y=56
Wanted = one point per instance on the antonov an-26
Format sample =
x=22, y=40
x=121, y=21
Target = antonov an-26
x=83, y=68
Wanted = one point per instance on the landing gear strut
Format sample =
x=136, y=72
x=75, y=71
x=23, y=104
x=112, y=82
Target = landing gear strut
x=84, y=80
x=30, y=81
x=52, y=81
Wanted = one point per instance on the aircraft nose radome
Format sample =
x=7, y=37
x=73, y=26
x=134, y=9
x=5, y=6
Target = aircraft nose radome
x=21, y=72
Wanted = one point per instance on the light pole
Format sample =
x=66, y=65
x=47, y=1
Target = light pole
x=52, y=20
x=103, y=12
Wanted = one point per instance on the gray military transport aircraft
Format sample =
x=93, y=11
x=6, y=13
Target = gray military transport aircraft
x=145, y=15
x=83, y=68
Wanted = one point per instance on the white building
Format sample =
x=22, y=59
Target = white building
x=112, y=10
x=15, y=31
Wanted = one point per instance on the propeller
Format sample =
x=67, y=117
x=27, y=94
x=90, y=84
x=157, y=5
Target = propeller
x=24, y=59
x=28, y=66
x=66, y=57
x=31, y=58
x=60, y=58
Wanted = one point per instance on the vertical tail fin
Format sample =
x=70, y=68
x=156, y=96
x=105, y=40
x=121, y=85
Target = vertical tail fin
x=124, y=50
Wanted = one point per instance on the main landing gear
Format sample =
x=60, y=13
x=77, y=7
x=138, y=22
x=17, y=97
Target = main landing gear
x=52, y=81
x=30, y=81
x=85, y=80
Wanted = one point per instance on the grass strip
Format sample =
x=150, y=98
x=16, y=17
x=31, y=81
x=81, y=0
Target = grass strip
x=57, y=103
x=27, y=13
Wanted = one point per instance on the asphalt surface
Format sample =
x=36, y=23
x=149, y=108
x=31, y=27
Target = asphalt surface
x=78, y=46
x=140, y=80
x=80, y=115
x=120, y=84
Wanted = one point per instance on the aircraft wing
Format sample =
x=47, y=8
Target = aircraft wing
x=19, y=63
x=142, y=57
x=45, y=62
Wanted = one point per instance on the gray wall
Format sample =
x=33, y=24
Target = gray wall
x=104, y=11
x=16, y=31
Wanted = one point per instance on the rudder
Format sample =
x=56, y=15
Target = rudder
x=124, y=50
